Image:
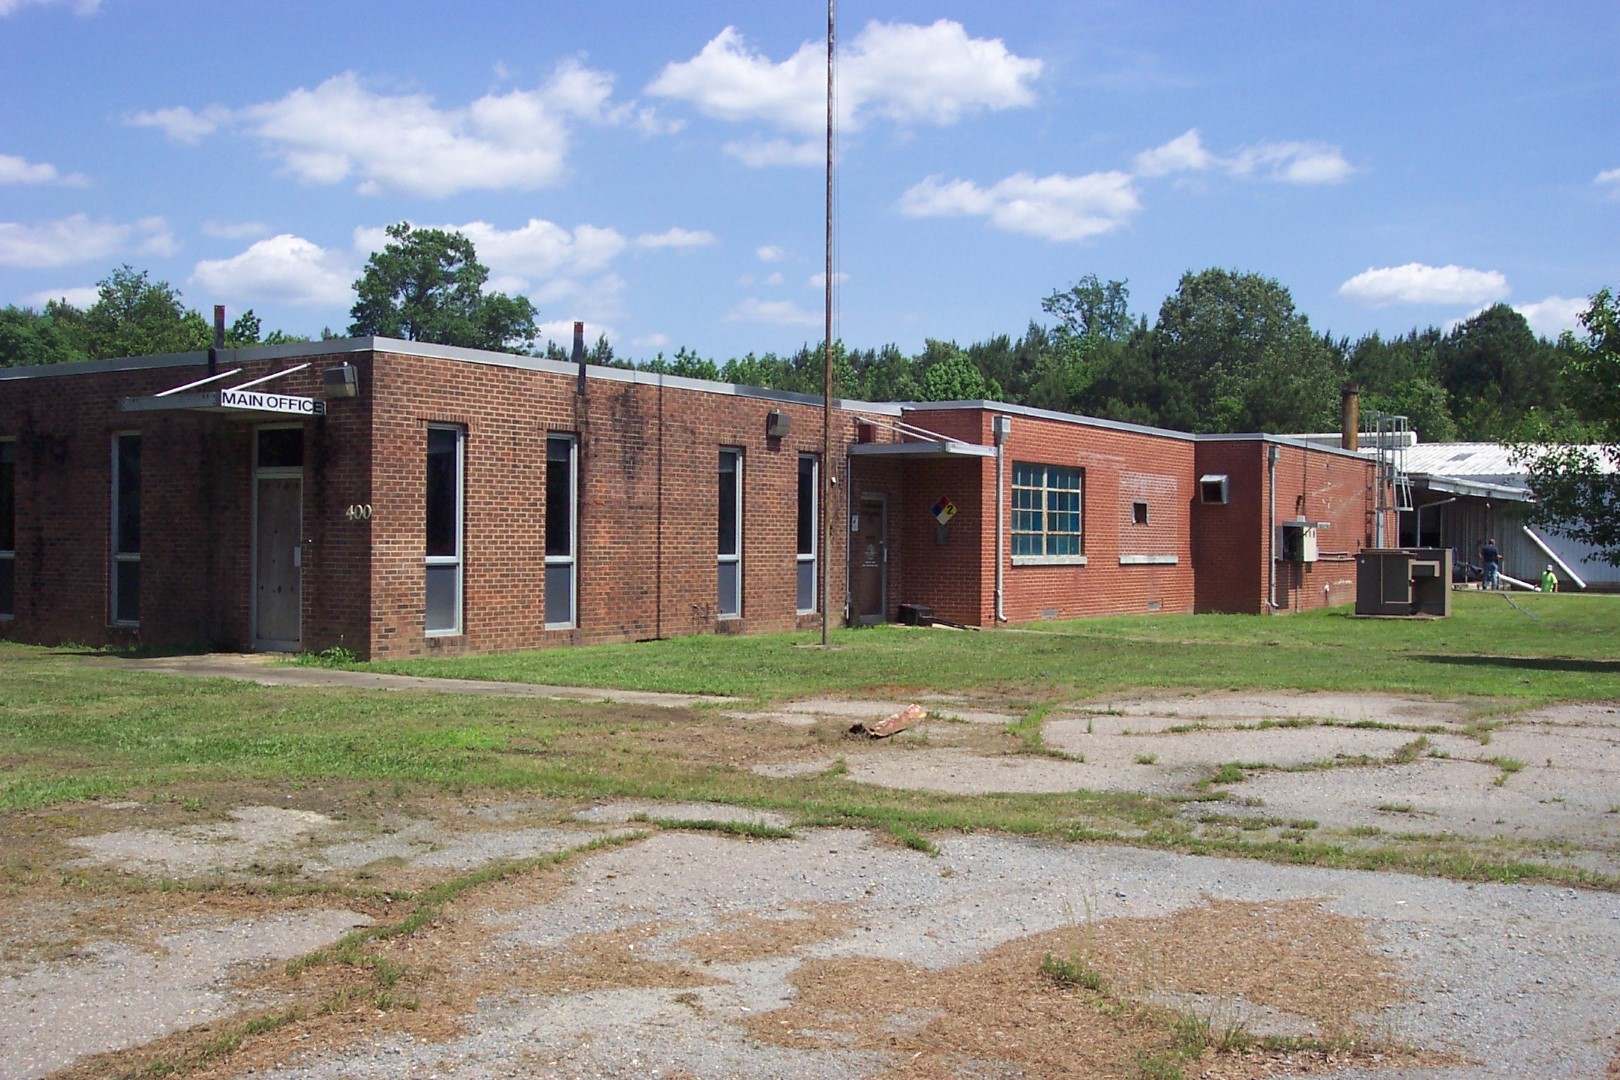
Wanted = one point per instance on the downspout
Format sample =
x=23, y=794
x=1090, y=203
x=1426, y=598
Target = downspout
x=1271, y=495
x=849, y=509
x=1001, y=426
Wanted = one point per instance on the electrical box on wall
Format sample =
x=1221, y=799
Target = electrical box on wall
x=1296, y=542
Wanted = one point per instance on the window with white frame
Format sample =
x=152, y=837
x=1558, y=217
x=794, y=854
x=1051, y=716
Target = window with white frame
x=1046, y=512
x=446, y=472
x=562, y=531
x=126, y=530
x=8, y=528
x=728, y=518
x=809, y=527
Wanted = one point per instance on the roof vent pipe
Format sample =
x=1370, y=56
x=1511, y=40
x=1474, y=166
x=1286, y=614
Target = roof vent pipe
x=1350, y=431
x=219, y=339
x=579, y=353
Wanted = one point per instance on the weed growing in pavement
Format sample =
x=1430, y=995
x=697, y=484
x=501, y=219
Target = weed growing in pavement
x=1071, y=971
x=1508, y=765
x=1031, y=739
x=1146, y=759
x=752, y=830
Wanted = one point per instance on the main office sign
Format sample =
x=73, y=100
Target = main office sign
x=255, y=401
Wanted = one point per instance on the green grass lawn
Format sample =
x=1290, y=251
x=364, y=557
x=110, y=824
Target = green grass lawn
x=70, y=730
x=1558, y=648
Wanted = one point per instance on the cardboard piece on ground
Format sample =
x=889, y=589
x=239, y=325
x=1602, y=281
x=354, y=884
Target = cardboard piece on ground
x=891, y=724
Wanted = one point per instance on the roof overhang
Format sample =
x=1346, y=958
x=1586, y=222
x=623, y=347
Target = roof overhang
x=1451, y=485
x=940, y=448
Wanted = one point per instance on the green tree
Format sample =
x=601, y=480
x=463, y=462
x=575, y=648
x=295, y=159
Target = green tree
x=953, y=377
x=29, y=338
x=1495, y=370
x=427, y=285
x=1091, y=309
x=1398, y=376
x=1577, y=487
x=1232, y=354
x=685, y=364
x=132, y=316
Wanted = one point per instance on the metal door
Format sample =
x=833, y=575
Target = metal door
x=869, y=558
x=277, y=570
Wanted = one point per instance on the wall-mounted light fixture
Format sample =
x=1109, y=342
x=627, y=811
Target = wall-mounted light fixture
x=341, y=381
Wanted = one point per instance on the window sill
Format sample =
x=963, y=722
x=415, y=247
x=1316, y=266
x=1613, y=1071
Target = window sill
x=1049, y=560
x=1149, y=560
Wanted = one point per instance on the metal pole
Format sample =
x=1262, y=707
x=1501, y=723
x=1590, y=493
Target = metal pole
x=827, y=365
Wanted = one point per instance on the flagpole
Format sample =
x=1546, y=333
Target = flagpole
x=827, y=366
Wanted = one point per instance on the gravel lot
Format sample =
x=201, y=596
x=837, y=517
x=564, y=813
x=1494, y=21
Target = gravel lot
x=694, y=954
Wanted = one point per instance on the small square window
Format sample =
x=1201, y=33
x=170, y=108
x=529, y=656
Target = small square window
x=1139, y=513
x=1212, y=488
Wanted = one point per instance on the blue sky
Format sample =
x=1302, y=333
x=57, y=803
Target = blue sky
x=656, y=169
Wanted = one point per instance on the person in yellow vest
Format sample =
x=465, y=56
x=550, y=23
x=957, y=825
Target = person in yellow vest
x=1549, y=582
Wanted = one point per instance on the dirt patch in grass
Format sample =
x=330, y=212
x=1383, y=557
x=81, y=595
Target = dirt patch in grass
x=1001, y=1010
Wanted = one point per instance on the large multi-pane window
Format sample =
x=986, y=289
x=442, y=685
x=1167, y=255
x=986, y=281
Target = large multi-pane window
x=126, y=530
x=729, y=540
x=8, y=528
x=445, y=479
x=562, y=530
x=809, y=527
x=1046, y=518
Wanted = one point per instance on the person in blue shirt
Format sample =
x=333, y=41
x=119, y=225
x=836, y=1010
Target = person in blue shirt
x=1490, y=558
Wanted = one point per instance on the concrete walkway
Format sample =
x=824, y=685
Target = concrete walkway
x=266, y=670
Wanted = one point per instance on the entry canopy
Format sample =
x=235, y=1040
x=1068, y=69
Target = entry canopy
x=941, y=448
x=240, y=400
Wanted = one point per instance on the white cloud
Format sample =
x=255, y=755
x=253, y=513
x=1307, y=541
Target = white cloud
x=16, y=170
x=78, y=239
x=774, y=278
x=1294, y=162
x=1610, y=180
x=1055, y=207
x=405, y=143
x=654, y=340
x=1289, y=162
x=1415, y=283
x=1554, y=315
x=933, y=74
x=234, y=230
x=80, y=296
x=561, y=331
x=770, y=253
x=774, y=313
x=1184, y=153
x=759, y=153
x=819, y=281
x=80, y=7
x=285, y=267
x=538, y=248
x=903, y=72
x=677, y=238
x=182, y=124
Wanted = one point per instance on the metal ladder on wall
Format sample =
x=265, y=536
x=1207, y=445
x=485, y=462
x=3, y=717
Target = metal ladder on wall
x=1389, y=436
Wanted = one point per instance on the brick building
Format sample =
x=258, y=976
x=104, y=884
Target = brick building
x=402, y=499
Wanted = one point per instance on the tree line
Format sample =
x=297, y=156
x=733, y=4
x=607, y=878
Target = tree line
x=1227, y=351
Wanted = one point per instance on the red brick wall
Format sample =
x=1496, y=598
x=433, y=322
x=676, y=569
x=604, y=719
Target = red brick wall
x=1117, y=467
x=1232, y=544
x=1229, y=542
x=196, y=508
x=648, y=490
x=648, y=493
